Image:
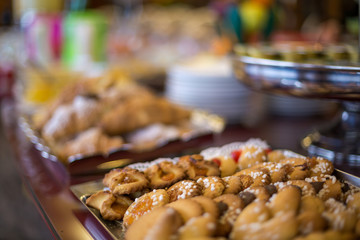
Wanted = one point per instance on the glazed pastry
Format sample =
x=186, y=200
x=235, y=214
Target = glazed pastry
x=164, y=174
x=276, y=156
x=311, y=222
x=110, y=207
x=283, y=226
x=197, y=227
x=246, y=180
x=233, y=184
x=144, y=205
x=322, y=167
x=115, y=207
x=260, y=177
x=286, y=200
x=227, y=165
x=312, y=204
x=330, y=187
x=184, y=189
x=251, y=155
x=212, y=187
x=125, y=181
x=255, y=212
x=256, y=222
x=299, y=168
x=196, y=166
x=208, y=205
x=278, y=172
x=353, y=201
x=231, y=207
x=339, y=217
x=306, y=187
x=160, y=224
x=327, y=235
x=187, y=208
x=262, y=192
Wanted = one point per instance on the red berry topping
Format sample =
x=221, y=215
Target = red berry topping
x=236, y=155
x=268, y=150
x=217, y=161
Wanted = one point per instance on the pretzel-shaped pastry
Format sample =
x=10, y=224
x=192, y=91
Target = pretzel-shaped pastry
x=125, y=181
x=164, y=174
x=184, y=189
x=145, y=204
x=196, y=166
x=212, y=186
x=110, y=206
x=161, y=223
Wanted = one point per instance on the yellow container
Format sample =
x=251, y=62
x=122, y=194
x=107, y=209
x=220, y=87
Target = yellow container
x=40, y=86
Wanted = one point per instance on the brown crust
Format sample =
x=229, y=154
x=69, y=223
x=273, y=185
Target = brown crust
x=183, y=190
x=164, y=174
x=195, y=166
x=145, y=204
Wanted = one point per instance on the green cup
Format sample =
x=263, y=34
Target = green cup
x=85, y=36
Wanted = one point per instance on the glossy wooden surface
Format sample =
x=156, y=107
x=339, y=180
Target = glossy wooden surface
x=48, y=182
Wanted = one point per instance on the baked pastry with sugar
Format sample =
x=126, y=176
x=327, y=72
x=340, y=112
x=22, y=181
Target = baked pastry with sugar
x=299, y=168
x=321, y=167
x=164, y=174
x=208, y=205
x=212, y=187
x=311, y=203
x=260, y=177
x=275, y=156
x=144, y=205
x=125, y=181
x=160, y=224
x=287, y=199
x=256, y=203
x=184, y=189
x=231, y=206
x=195, y=166
x=233, y=184
x=306, y=187
x=198, y=227
x=311, y=222
x=262, y=192
x=251, y=155
x=187, y=208
x=327, y=235
x=278, y=172
x=339, y=217
x=111, y=207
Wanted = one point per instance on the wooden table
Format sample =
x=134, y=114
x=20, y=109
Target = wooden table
x=48, y=181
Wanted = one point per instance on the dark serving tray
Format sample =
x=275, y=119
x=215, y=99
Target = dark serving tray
x=98, y=163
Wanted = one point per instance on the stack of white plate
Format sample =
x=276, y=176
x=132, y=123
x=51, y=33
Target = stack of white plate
x=297, y=107
x=206, y=82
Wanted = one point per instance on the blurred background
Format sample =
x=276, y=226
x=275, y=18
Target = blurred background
x=180, y=49
x=170, y=46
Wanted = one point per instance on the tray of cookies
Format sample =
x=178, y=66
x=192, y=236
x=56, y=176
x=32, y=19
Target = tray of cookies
x=102, y=123
x=243, y=190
